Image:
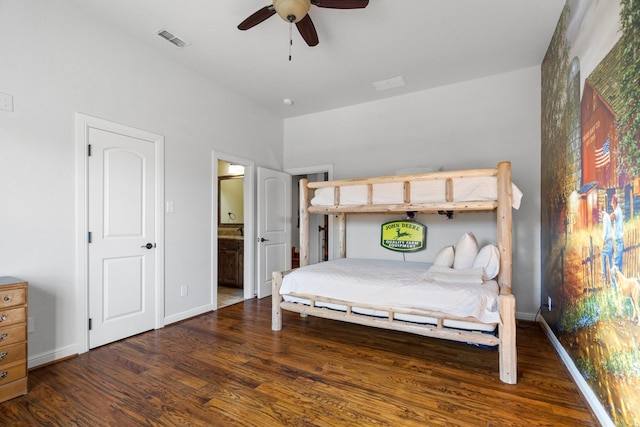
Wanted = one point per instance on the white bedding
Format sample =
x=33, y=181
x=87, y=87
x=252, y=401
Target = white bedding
x=432, y=191
x=388, y=283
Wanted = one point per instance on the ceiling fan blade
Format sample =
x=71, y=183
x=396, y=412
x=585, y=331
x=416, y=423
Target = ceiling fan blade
x=257, y=17
x=341, y=4
x=308, y=30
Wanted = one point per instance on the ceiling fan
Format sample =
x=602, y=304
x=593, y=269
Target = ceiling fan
x=296, y=11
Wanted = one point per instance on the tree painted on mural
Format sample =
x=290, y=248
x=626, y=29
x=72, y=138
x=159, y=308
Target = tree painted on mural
x=555, y=178
x=629, y=118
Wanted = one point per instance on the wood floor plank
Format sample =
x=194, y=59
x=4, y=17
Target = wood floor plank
x=227, y=368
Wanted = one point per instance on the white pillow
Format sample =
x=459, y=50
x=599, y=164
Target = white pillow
x=465, y=252
x=444, y=257
x=489, y=259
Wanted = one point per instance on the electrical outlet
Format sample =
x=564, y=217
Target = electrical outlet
x=549, y=303
x=184, y=290
x=31, y=325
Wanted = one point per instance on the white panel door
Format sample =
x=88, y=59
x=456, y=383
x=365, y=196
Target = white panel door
x=274, y=226
x=121, y=221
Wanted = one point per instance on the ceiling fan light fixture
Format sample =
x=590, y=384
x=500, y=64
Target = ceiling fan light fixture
x=292, y=10
x=296, y=12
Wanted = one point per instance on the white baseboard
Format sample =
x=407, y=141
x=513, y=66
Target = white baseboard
x=187, y=314
x=588, y=394
x=52, y=356
x=525, y=316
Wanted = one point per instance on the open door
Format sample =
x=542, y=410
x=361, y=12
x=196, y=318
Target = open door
x=320, y=226
x=273, y=226
x=318, y=229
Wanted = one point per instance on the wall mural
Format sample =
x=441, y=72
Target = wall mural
x=591, y=197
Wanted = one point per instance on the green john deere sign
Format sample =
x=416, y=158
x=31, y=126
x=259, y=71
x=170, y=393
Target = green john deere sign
x=403, y=236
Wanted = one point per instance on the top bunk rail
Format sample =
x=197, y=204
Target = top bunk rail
x=432, y=192
x=480, y=206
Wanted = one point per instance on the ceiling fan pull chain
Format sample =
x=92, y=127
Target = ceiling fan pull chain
x=290, y=38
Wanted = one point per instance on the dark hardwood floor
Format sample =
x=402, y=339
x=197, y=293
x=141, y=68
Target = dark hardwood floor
x=228, y=368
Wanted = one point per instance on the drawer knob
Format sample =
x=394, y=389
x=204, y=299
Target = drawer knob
x=3, y=337
x=7, y=298
x=3, y=318
x=3, y=355
x=3, y=375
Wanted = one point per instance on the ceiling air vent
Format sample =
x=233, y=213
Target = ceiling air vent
x=389, y=83
x=177, y=41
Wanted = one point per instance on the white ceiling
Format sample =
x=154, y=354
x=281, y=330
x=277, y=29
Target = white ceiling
x=429, y=43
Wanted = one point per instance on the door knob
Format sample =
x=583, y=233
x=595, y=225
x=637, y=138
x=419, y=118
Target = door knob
x=149, y=245
x=262, y=239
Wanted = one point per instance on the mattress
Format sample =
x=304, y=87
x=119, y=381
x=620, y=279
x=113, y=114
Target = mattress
x=389, y=283
x=431, y=191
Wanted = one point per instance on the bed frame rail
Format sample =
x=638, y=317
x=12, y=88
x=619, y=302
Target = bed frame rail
x=506, y=329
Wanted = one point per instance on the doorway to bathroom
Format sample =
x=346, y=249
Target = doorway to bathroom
x=232, y=266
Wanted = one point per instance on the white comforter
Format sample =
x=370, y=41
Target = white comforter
x=394, y=284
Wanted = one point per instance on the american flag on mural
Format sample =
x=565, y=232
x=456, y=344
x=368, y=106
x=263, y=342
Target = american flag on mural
x=603, y=155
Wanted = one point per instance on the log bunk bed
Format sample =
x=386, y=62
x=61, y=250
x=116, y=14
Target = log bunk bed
x=416, y=195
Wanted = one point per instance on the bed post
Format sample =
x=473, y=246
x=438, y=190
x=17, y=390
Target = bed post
x=507, y=334
x=507, y=302
x=342, y=235
x=504, y=219
x=276, y=299
x=304, y=222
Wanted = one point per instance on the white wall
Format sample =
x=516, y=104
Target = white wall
x=468, y=125
x=56, y=62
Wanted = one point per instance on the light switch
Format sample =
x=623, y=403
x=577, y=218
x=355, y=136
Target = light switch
x=6, y=102
x=169, y=207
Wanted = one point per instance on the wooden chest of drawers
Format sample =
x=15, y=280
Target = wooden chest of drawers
x=13, y=338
